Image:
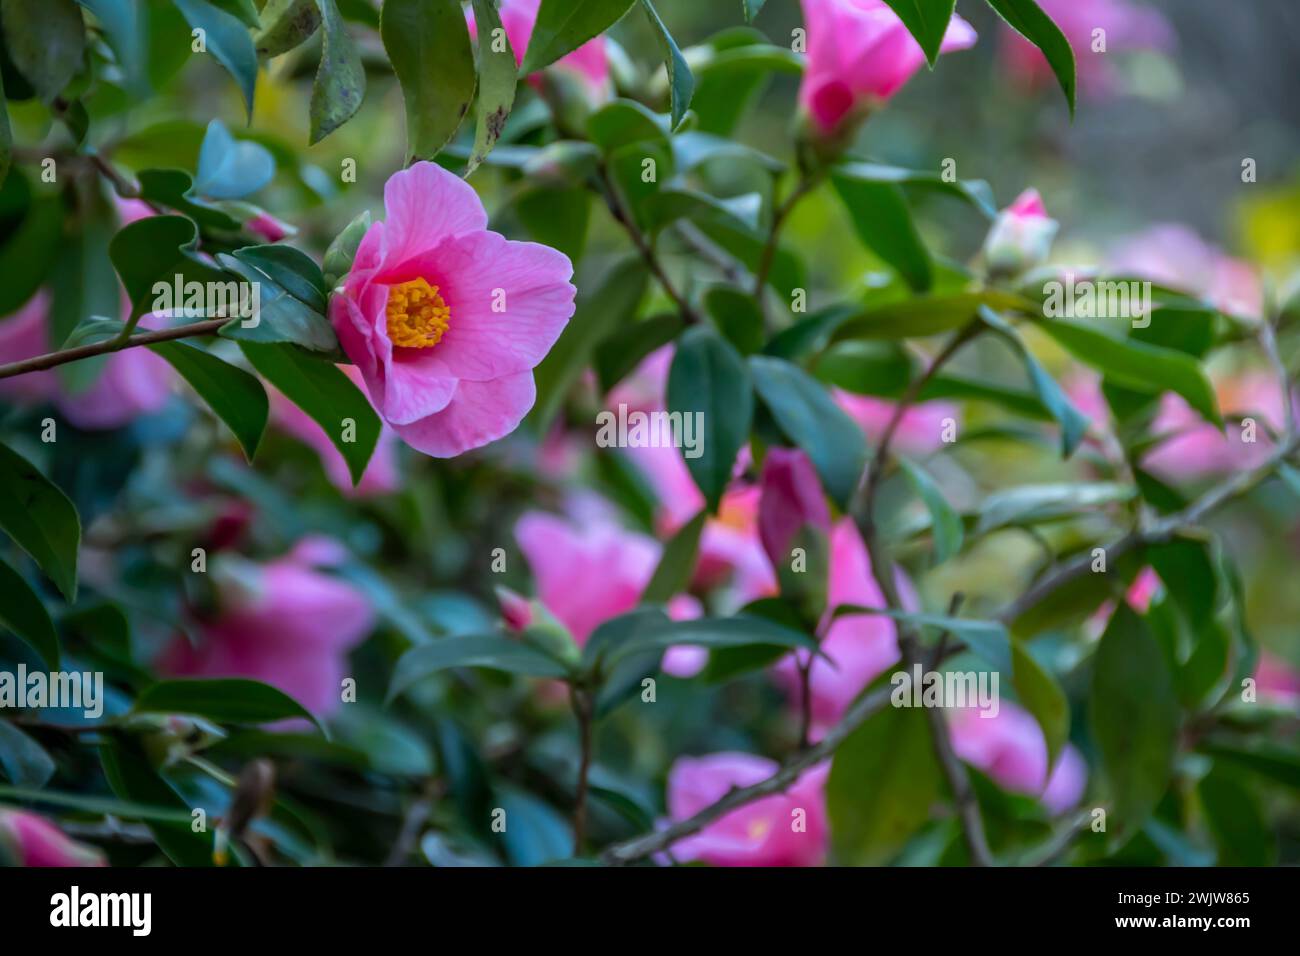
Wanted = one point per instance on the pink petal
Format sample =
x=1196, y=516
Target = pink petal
x=478, y=413
x=424, y=205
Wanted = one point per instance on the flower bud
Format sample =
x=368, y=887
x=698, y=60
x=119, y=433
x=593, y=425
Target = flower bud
x=1021, y=237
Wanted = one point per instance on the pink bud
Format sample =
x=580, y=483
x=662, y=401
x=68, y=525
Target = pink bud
x=35, y=841
x=515, y=609
x=1021, y=236
x=791, y=498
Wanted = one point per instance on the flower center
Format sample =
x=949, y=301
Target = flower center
x=417, y=314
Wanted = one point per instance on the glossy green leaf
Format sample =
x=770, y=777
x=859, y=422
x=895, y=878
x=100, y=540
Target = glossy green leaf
x=564, y=25
x=673, y=573
x=945, y=523
x=418, y=34
x=338, y=258
x=286, y=24
x=292, y=270
x=321, y=390
x=234, y=396
x=922, y=316
x=927, y=20
x=809, y=417
x=228, y=42
x=40, y=519
x=1135, y=717
x=46, y=40
x=340, y=83
x=281, y=316
x=709, y=386
x=229, y=700
x=681, y=84
x=494, y=651
x=159, y=249
x=22, y=612
x=497, y=76
x=883, y=221
x=1028, y=19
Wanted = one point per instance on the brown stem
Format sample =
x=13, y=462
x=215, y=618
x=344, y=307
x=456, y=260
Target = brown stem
x=40, y=363
x=582, y=709
x=805, y=702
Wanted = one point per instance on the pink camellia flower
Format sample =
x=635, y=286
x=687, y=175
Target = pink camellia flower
x=1127, y=26
x=31, y=840
x=1276, y=680
x=589, y=62
x=286, y=623
x=791, y=500
x=381, y=475
x=919, y=432
x=859, y=55
x=862, y=646
x=133, y=382
x=1021, y=236
x=785, y=829
x=1174, y=255
x=446, y=320
x=1010, y=749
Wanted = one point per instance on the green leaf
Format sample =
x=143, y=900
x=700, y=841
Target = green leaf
x=131, y=777
x=497, y=652
x=1242, y=834
x=1042, y=696
x=497, y=76
x=28, y=255
x=709, y=380
x=680, y=81
x=40, y=519
x=1072, y=421
x=1032, y=504
x=23, y=760
x=923, y=316
x=286, y=24
x=883, y=222
x=23, y=613
x=174, y=189
x=1144, y=368
x=809, y=417
x=600, y=308
x=623, y=350
x=153, y=250
x=564, y=25
x=927, y=20
x=752, y=7
x=340, y=83
x=417, y=35
x=291, y=269
x=557, y=218
x=124, y=28
x=673, y=573
x=1135, y=717
x=234, y=396
x=976, y=192
x=229, y=700
x=1268, y=760
x=230, y=168
x=321, y=390
x=338, y=258
x=46, y=40
x=883, y=782
x=228, y=41
x=281, y=317
x=737, y=316
x=945, y=523
x=1028, y=19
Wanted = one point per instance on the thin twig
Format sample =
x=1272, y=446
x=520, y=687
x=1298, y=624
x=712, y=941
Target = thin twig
x=582, y=709
x=52, y=359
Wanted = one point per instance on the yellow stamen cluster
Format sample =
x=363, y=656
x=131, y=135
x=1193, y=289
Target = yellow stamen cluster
x=417, y=314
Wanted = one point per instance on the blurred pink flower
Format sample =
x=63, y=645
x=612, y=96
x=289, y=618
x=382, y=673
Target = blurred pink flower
x=791, y=499
x=919, y=432
x=33, y=840
x=588, y=62
x=785, y=829
x=132, y=382
x=1277, y=680
x=862, y=646
x=1127, y=26
x=859, y=55
x=1021, y=237
x=285, y=623
x=1172, y=254
x=1010, y=749
x=446, y=320
x=381, y=475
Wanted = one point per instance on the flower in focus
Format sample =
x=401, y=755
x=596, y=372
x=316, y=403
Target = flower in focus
x=1010, y=748
x=381, y=475
x=859, y=55
x=919, y=431
x=589, y=63
x=1173, y=255
x=31, y=840
x=286, y=623
x=1127, y=26
x=785, y=829
x=446, y=320
x=1021, y=236
x=861, y=646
